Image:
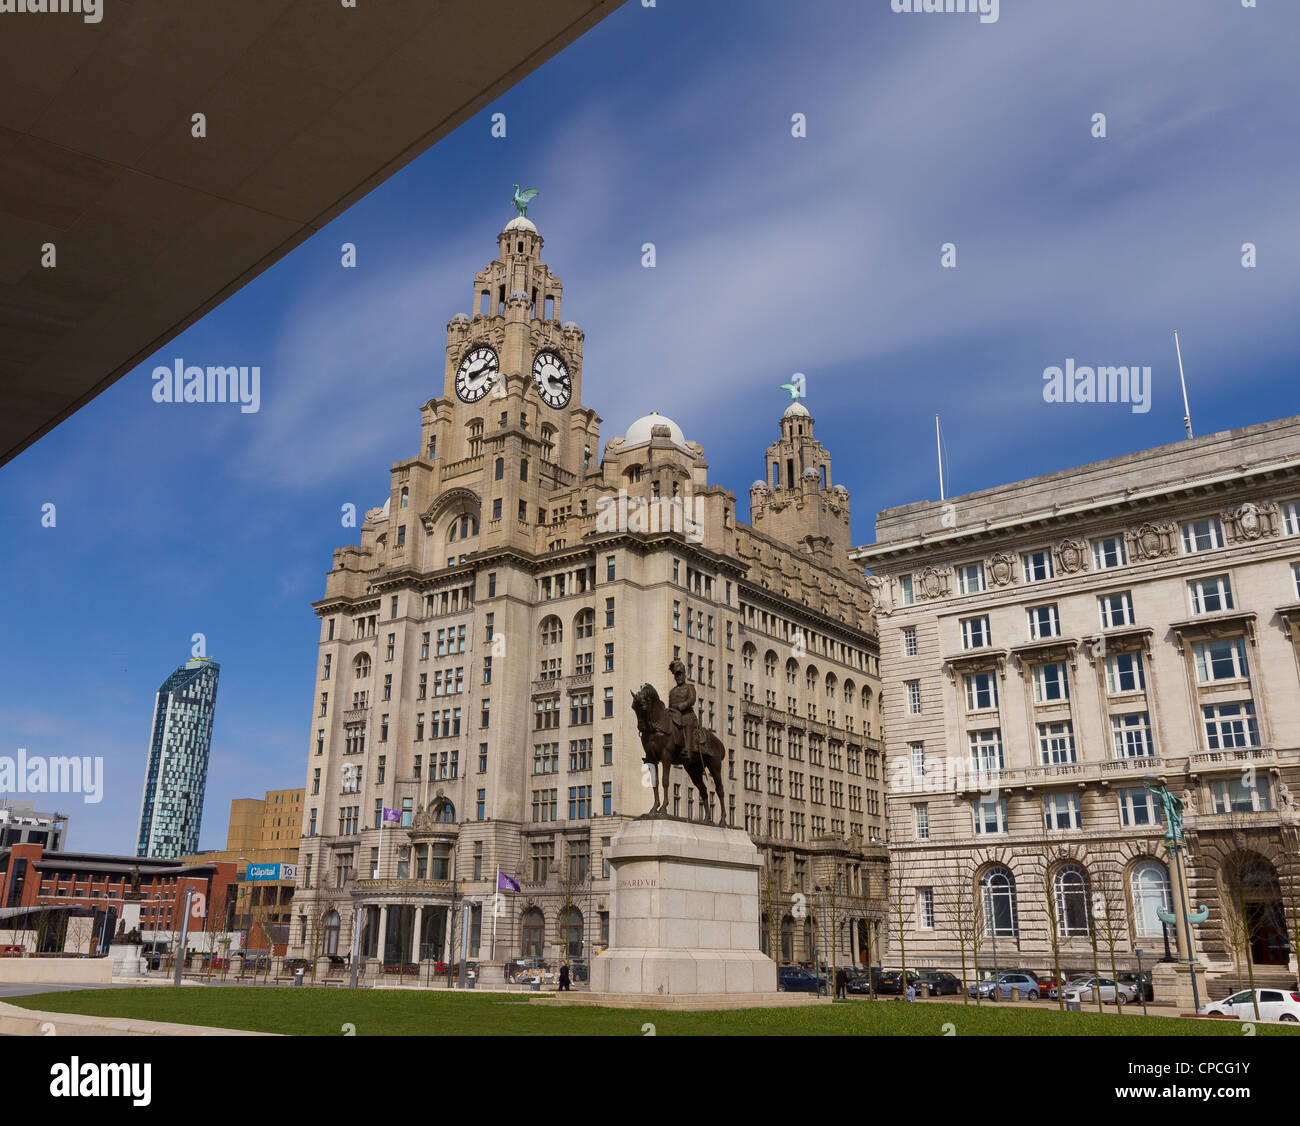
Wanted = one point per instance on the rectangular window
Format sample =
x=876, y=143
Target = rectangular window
x=1234, y=795
x=1109, y=553
x=1044, y=621
x=1291, y=519
x=918, y=760
x=1061, y=811
x=925, y=908
x=1116, y=610
x=1138, y=806
x=1221, y=660
x=909, y=641
x=1230, y=725
x=975, y=633
x=1202, y=535
x=990, y=816
x=922, y=812
x=1056, y=743
x=606, y=798
x=970, y=578
x=1295, y=578
x=981, y=691
x=1124, y=673
x=1212, y=595
x=914, y=697
x=986, y=750
x=905, y=586
x=1038, y=566
x=1051, y=683
x=609, y=613
x=1131, y=735
x=608, y=748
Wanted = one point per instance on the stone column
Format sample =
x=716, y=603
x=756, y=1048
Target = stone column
x=383, y=933
x=415, y=941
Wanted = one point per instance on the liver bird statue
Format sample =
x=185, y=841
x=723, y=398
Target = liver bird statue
x=521, y=199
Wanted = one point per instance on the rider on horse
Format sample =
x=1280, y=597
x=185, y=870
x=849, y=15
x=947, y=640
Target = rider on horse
x=681, y=709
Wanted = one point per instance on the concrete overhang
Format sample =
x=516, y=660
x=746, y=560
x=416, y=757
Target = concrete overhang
x=309, y=105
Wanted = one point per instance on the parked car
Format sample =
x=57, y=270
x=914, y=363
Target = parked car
x=939, y=983
x=860, y=983
x=791, y=979
x=1000, y=990
x=1082, y=990
x=891, y=981
x=1132, y=979
x=1274, y=1004
x=1070, y=983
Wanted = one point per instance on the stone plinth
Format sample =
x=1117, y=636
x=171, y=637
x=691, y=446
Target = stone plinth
x=1172, y=981
x=684, y=917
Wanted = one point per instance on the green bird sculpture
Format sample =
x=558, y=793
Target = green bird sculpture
x=521, y=199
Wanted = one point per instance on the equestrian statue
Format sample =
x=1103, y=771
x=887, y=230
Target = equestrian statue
x=671, y=735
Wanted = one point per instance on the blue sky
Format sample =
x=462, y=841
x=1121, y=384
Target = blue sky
x=775, y=254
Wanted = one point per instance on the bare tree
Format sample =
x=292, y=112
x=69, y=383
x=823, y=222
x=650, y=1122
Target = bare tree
x=969, y=923
x=1107, y=902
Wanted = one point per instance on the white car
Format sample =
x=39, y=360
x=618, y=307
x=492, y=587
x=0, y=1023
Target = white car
x=1274, y=1004
x=1082, y=990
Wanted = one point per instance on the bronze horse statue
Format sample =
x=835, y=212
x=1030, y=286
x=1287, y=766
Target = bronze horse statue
x=661, y=740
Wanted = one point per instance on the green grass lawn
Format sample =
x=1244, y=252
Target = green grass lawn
x=321, y=1012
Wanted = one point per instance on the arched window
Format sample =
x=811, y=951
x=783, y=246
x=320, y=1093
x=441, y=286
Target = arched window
x=1072, y=894
x=570, y=930
x=769, y=662
x=634, y=475
x=523, y=469
x=787, y=939
x=499, y=470
x=405, y=497
x=534, y=932
x=361, y=666
x=1150, y=884
x=447, y=813
x=330, y=945
x=866, y=699
x=999, y=893
x=850, y=693
x=747, y=655
x=552, y=632
x=791, y=671
x=584, y=623
x=462, y=527
x=811, y=678
x=831, y=682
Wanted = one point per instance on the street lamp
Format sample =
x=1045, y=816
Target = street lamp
x=1173, y=835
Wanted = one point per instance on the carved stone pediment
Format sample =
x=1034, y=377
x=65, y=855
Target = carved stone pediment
x=932, y=583
x=1251, y=522
x=1001, y=569
x=1071, y=556
x=1152, y=541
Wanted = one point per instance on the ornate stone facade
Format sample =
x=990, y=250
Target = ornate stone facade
x=479, y=646
x=1132, y=618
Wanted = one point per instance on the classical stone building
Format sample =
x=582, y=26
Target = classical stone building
x=479, y=649
x=1051, y=643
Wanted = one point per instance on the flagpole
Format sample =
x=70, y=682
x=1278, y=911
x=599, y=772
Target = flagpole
x=1187, y=414
x=938, y=445
x=382, y=823
x=496, y=890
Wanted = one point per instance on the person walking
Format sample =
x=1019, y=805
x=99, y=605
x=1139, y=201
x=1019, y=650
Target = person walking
x=564, y=976
x=841, y=983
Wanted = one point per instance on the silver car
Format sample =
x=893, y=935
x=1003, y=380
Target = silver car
x=1000, y=990
x=1081, y=989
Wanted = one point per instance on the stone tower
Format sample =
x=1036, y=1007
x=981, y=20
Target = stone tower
x=798, y=503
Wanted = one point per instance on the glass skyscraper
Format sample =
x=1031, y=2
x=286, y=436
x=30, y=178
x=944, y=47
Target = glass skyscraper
x=172, y=806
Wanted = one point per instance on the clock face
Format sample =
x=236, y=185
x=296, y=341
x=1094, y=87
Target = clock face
x=476, y=374
x=552, y=379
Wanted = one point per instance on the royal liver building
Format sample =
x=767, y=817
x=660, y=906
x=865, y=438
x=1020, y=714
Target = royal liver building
x=479, y=648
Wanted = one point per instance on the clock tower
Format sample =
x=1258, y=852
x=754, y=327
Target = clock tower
x=509, y=429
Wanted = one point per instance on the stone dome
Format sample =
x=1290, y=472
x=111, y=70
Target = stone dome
x=642, y=430
x=796, y=409
x=758, y=485
x=521, y=223
x=812, y=472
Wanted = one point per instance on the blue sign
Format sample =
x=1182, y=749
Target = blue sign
x=263, y=873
